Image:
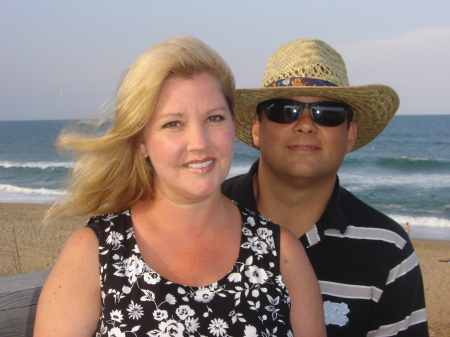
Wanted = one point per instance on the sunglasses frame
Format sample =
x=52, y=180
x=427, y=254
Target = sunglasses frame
x=310, y=106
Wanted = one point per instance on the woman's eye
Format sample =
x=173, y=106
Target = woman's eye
x=173, y=124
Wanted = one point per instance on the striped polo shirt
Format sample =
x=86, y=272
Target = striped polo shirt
x=368, y=271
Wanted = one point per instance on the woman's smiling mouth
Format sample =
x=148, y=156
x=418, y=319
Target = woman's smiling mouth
x=199, y=165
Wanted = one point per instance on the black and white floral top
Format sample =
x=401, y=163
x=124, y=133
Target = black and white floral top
x=251, y=300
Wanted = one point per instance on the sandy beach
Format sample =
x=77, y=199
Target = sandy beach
x=26, y=246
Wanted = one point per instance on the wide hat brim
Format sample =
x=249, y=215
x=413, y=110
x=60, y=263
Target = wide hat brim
x=373, y=107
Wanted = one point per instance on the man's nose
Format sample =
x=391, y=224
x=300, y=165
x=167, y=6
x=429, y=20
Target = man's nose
x=305, y=123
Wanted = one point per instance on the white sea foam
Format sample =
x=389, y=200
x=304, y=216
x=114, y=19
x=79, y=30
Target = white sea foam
x=236, y=170
x=425, y=228
x=421, y=221
x=356, y=182
x=412, y=158
x=9, y=193
x=41, y=165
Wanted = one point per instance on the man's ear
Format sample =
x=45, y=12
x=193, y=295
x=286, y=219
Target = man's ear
x=351, y=135
x=255, y=130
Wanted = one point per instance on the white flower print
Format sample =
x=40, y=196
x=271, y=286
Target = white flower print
x=258, y=246
x=183, y=311
x=133, y=268
x=160, y=315
x=130, y=233
x=271, y=244
x=114, y=238
x=218, y=327
x=274, y=307
x=149, y=295
x=191, y=324
x=256, y=275
x=116, y=294
x=171, y=299
x=103, y=329
x=251, y=221
x=150, y=276
x=271, y=334
x=115, y=332
x=204, y=295
x=109, y=217
x=263, y=232
x=235, y=316
x=250, y=331
x=279, y=280
x=246, y=231
x=235, y=277
x=130, y=267
x=249, y=261
x=171, y=328
x=116, y=315
x=135, y=310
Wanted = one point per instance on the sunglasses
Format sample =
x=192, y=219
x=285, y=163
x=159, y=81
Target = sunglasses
x=286, y=111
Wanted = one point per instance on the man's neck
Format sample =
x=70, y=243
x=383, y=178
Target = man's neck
x=295, y=204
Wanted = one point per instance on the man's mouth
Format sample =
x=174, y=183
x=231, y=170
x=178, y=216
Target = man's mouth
x=304, y=147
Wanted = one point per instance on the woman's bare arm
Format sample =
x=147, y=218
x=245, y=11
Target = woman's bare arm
x=307, y=317
x=70, y=302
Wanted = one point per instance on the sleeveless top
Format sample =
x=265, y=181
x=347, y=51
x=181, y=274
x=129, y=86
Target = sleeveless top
x=251, y=300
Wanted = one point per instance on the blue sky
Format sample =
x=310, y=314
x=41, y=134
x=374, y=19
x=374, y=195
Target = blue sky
x=60, y=54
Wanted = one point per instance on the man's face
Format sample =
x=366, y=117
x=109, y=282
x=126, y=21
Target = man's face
x=303, y=149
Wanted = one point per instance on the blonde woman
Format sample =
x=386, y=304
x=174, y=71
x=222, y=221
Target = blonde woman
x=166, y=253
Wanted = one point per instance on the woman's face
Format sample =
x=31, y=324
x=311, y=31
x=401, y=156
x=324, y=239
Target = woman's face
x=189, y=139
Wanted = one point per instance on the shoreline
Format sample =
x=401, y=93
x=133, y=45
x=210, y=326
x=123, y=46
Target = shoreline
x=27, y=246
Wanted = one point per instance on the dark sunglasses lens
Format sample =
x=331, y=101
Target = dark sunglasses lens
x=329, y=114
x=282, y=111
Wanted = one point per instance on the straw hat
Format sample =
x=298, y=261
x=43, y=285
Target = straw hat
x=308, y=67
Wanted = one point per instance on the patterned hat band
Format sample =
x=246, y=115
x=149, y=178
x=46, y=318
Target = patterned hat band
x=301, y=82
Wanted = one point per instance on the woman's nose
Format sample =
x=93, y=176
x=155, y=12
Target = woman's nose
x=198, y=138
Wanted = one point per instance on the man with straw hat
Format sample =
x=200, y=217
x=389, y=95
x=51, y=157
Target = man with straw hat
x=304, y=120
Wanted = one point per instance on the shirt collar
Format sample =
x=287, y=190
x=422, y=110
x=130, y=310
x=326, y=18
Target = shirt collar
x=242, y=188
x=335, y=215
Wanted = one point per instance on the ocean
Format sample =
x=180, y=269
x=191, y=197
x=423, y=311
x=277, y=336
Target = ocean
x=404, y=173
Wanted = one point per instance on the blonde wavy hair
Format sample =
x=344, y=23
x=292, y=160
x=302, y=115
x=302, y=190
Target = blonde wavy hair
x=110, y=174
